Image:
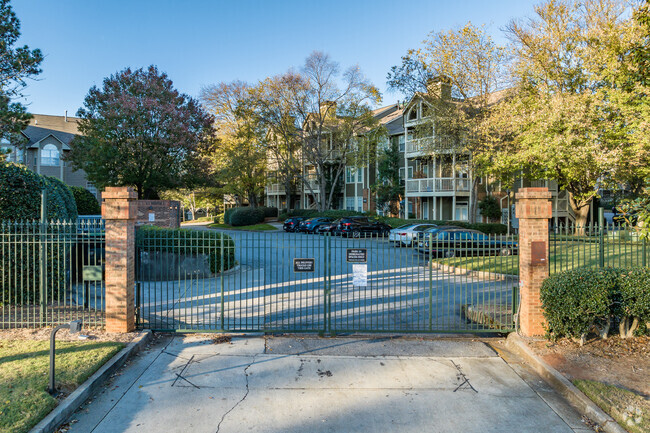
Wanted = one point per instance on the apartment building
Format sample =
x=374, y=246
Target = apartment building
x=48, y=141
x=437, y=180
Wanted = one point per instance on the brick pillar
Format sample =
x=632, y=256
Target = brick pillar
x=533, y=209
x=119, y=209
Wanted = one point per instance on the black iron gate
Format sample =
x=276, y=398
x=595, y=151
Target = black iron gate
x=292, y=282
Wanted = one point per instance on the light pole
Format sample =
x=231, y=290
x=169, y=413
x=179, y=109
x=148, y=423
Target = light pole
x=74, y=327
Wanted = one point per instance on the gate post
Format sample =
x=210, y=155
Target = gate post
x=533, y=210
x=120, y=212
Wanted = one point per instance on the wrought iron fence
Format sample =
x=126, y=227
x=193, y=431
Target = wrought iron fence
x=51, y=273
x=596, y=246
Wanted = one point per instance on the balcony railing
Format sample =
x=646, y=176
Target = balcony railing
x=275, y=188
x=418, y=145
x=439, y=184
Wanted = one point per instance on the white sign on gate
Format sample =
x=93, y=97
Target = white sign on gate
x=360, y=275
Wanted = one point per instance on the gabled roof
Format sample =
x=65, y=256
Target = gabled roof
x=42, y=126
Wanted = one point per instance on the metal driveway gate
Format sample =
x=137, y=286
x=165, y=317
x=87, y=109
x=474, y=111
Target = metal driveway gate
x=293, y=282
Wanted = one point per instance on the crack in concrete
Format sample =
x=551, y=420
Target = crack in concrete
x=241, y=400
x=464, y=384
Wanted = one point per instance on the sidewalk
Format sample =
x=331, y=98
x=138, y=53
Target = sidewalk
x=196, y=383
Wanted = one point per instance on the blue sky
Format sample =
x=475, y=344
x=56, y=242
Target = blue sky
x=200, y=42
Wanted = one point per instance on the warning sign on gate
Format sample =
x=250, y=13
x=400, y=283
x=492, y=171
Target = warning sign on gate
x=357, y=255
x=304, y=265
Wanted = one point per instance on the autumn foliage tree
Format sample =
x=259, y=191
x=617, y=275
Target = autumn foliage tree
x=137, y=130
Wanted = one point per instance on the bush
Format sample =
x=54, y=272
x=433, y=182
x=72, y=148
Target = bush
x=270, y=212
x=247, y=216
x=219, y=219
x=490, y=208
x=228, y=213
x=633, y=308
x=189, y=243
x=576, y=300
x=86, y=201
x=20, y=195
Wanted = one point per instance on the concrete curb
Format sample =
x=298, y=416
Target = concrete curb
x=563, y=386
x=65, y=408
x=483, y=275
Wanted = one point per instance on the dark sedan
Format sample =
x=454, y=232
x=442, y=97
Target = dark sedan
x=310, y=225
x=464, y=242
x=291, y=224
x=360, y=227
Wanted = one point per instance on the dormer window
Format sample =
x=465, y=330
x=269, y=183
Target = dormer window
x=413, y=114
x=50, y=156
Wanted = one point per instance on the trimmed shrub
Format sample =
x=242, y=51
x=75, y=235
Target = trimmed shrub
x=20, y=195
x=246, y=216
x=270, y=212
x=86, y=201
x=633, y=308
x=576, y=300
x=228, y=213
x=219, y=219
x=190, y=243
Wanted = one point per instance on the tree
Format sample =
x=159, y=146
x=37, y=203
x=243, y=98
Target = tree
x=137, y=130
x=272, y=103
x=16, y=66
x=560, y=121
x=239, y=160
x=333, y=110
x=389, y=188
x=470, y=65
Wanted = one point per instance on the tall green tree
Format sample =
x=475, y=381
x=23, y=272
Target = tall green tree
x=561, y=120
x=137, y=130
x=458, y=73
x=239, y=160
x=17, y=65
x=389, y=188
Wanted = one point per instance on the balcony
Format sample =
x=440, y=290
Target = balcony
x=418, y=146
x=437, y=186
x=275, y=189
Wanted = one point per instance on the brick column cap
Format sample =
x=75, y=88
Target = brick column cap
x=119, y=193
x=533, y=193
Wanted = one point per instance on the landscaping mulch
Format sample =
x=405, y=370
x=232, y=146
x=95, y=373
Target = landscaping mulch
x=624, y=363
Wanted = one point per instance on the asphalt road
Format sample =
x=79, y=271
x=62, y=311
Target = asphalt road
x=263, y=291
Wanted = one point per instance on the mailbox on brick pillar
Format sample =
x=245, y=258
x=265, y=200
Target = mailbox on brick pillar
x=533, y=210
x=119, y=209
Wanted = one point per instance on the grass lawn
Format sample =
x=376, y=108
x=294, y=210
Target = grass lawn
x=631, y=411
x=24, y=375
x=202, y=220
x=564, y=255
x=256, y=227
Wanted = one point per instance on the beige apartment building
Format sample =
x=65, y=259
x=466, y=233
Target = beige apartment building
x=48, y=141
x=437, y=184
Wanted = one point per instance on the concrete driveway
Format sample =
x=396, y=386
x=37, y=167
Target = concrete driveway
x=197, y=383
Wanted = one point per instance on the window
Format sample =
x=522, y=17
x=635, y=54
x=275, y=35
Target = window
x=353, y=175
x=401, y=173
x=413, y=114
x=349, y=203
x=50, y=155
x=462, y=212
x=400, y=140
x=360, y=204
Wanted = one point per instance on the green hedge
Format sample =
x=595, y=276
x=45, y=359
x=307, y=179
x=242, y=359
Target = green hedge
x=228, y=213
x=86, y=201
x=578, y=301
x=247, y=216
x=189, y=242
x=20, y=195
x=219, y=219
x=269, y=212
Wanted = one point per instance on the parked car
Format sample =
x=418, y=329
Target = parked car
x=290, y=224
x=310, y=225
x=465, y=242
x=358, y=226
x=407, y=235
x=423, y=235
x=325, y=228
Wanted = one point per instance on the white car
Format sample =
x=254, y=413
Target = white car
x=406, y=235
